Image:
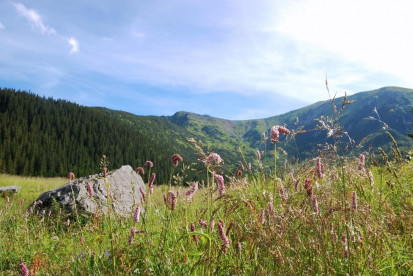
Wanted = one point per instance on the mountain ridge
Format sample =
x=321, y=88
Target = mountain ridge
x=163, y=135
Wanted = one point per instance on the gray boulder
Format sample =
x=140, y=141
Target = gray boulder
x=124, y=184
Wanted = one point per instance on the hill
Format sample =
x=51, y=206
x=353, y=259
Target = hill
x=48, y=137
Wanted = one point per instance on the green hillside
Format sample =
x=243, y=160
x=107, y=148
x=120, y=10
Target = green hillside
x=48, y=137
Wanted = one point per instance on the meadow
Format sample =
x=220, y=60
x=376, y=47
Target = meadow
x=331, y=215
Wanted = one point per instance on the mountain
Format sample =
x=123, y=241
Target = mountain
x=48, y=137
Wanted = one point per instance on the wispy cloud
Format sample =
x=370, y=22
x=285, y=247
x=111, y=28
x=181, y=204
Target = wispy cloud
x=34, y=19
x=74, y=44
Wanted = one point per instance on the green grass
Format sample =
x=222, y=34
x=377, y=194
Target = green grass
x=374, y=239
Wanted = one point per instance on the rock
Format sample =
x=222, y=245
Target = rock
x=9, y=190
x=124, y=184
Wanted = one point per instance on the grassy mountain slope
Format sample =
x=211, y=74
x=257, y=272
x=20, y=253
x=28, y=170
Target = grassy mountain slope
x=33, y=128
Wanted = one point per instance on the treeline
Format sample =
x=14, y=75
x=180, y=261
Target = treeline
x=45, y=137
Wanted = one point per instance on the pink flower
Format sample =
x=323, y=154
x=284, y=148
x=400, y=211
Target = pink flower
x=223, y=236
x=319, y=168
x=275, y=133
x=362, y=159
x=176, y=158
x=171, y=200
x=132, y=234
x=90, y=189
x=315, y=204
x=71, y=176
x=193, y=189
x=203, y=223
x=24, y=270
x=153, y=176
x=136, y=215
x=140, y=170
x=149, y=164
x=308, y=185
x=221, y=185
x=142, y=194
x=213, y=157
x=354, y=203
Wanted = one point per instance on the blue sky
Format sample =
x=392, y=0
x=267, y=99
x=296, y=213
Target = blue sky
x=233, y=59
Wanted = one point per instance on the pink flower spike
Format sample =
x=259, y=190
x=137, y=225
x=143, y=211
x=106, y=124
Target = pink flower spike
x=275, y=133
x=193, y=229
x=354, y=202
x=362, y=159
x=176, y=158
x=24, y=270
x=151, y=181
x=149, y=164
x=192, y=191
x=223, y=236
x=140, y=170
x=203, y=223
x=132, y=234
x=142, y=194
x=221, y=185
x=319, y=168
x=136, y=215
x=90, y=189
x=71, y=176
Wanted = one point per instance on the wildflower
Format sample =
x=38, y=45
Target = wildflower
x=24, y=270
x=149, y=164
x=362, y=159
x=271, y=208
x=142, y=194
x=203, y=223
x=140, y=170
x=171, y=200
x=239, y=173
x=354, y=203
x=223, y=236
x=308, y=187
x=151, y=181
x=193, y=229
x=193, y=189
x=71, y=176
x=213, y=157
x=275, y=133
x=90, y=189
x=283, y=193
x=319, y=168
x=132, y=234
x=315, y=205
x=221, y=185
x=262, y=216
x=136, y=215
x=176, y=158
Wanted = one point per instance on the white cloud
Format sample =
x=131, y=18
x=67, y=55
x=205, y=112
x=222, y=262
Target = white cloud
x=34, y=18
x=2, y=26
x=374, y=34
x=74, y=44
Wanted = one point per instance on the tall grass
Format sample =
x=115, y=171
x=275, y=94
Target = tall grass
x=364, y=228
